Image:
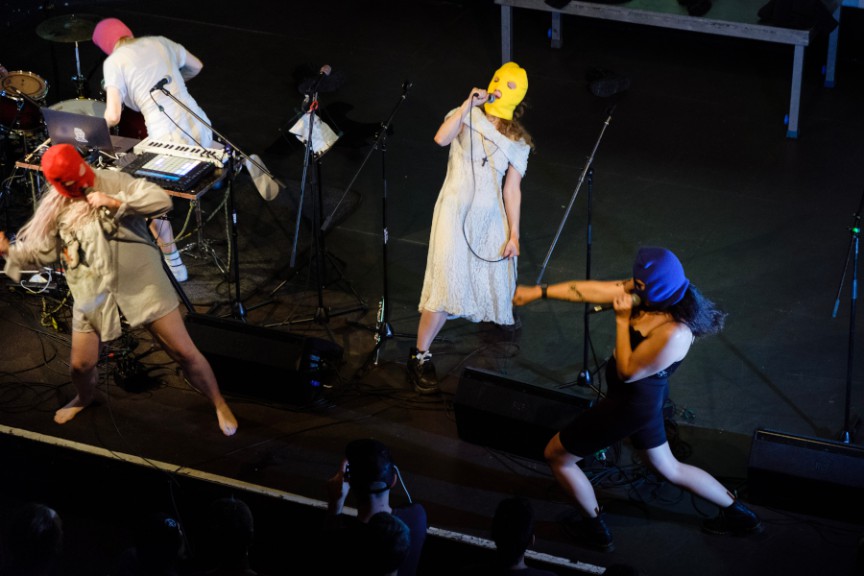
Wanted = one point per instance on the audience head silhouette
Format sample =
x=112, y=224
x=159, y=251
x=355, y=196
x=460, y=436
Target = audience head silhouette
x=513, y=529
x=231, y=528
x=370, y=467
x=33, y=538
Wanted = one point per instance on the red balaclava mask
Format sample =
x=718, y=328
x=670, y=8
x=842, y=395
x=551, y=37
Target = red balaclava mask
x=64, y=168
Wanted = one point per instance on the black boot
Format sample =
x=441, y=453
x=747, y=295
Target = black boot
x=421, y=372
x=591, y=532
x=736, y=519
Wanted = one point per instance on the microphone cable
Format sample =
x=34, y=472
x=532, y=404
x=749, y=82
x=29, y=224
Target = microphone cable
x=474, y=191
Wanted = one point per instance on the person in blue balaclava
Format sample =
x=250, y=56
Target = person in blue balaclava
x=658, y=316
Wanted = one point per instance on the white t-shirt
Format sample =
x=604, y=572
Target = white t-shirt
x=134, y=68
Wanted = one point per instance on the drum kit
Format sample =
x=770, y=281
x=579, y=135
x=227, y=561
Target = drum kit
x=23, y=93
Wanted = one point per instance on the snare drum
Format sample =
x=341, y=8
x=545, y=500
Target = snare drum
x=17, y=113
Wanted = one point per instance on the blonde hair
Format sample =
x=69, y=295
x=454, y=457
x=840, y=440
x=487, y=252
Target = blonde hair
x=54, y=212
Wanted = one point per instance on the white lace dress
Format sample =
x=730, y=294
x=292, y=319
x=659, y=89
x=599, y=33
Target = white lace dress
x=464, y=276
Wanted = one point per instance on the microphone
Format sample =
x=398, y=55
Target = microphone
x=603, y=307
x=103, y=211
x=161, y=84
x=490, y=100
x=323, y=73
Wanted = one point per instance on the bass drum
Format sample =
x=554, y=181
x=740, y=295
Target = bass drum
x=131, y=123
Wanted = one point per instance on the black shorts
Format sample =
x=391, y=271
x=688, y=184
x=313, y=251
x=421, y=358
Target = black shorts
x=633, y=410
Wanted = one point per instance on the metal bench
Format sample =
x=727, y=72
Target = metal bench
x=735, y=18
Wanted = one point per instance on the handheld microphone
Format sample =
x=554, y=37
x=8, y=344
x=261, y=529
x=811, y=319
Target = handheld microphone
x=161, y=84
x=103, y=211
x=490, y=100
x=322, y=73
x=604, y=307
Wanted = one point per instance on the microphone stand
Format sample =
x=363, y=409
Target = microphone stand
x=238, y=310
x=852, y=253
x=584, y=377
x=383, y=330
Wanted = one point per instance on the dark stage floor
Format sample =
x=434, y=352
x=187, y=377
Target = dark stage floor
x=695, y=159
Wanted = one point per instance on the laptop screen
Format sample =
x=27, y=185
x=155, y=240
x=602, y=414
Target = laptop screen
x=79, y=130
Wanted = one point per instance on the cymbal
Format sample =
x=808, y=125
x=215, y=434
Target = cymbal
x=68, y=27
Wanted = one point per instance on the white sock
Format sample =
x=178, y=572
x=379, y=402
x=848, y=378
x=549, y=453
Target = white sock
x=173, y=259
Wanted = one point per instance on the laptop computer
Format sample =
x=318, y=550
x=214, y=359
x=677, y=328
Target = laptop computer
x=84, y=132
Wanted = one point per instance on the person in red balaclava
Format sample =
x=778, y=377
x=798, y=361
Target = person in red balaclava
x=95, y=222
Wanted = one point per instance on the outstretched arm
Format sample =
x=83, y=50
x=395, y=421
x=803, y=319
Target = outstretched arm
x=594, y=291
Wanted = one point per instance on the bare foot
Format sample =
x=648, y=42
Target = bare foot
x=70, y=410
x=227, y=421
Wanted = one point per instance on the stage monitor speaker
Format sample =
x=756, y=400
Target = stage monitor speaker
x=808, y=475
x=495, y=411
x=264, y=363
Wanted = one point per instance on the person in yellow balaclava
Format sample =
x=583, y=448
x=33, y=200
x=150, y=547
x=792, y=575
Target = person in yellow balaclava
x=474, y=242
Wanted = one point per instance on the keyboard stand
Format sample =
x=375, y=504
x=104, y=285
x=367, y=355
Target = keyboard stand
x=202, y=247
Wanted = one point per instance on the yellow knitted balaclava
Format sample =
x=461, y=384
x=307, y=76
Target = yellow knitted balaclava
x=512, y=81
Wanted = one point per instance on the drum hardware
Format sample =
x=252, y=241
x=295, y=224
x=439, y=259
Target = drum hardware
x=28, y=172
x=70, y=28
x=19, y=114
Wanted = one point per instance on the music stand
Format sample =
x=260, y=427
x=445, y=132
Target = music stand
x=317, y=138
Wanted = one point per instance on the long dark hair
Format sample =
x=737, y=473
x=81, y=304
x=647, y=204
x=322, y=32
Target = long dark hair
x=700, y=314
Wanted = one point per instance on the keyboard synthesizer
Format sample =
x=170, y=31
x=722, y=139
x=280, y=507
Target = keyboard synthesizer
x=169, y=172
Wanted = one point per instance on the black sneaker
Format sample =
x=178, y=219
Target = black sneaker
x=591, y=532
x=737, y=520
x=421, y=372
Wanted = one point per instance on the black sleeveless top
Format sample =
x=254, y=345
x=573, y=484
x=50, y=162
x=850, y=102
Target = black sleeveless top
x=637, y=338
x=629, y=409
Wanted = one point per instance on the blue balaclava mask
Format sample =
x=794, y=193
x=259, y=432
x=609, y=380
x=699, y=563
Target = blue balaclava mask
x=663, y=276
